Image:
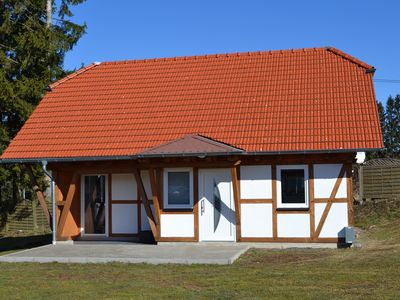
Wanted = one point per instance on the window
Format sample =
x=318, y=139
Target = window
x=292, y=186
x=94, y=204
x=178, y=188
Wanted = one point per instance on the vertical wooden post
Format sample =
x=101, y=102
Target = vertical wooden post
x=311, y=199
x=236, y=197
x=196, y=202
x=349, y=188
x=110, y=222
x=274, y=204
x=361, y=182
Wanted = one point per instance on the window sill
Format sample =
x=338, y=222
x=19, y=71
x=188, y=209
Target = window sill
x=177, y=210
x=293, y=209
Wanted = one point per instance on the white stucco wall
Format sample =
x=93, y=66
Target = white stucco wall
x=124, y=218
x=124, y=187
x=293, y=225
x=325, y=176
x=255, y=182
x=256, y=220
x=145, y=225
x=177, y=225
x=146, y=182
x=336, y=220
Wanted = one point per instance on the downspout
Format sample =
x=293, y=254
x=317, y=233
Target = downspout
x=53, y=199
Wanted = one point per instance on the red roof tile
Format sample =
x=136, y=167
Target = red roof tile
x=316, y=99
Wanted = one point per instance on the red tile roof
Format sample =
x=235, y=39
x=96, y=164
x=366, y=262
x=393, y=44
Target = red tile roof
x=318, y=99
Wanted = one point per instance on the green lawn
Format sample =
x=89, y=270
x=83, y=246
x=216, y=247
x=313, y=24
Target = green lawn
x=372, y=272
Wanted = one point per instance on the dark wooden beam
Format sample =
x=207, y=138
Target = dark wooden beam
x=311, y=198
x=274, y=203
x=236, y=197
x=154, y=192
x=146, y=203
x=349, y=189
x=67, y=205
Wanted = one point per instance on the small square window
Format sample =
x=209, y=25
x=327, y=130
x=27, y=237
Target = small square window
x=178, y=188
x=292, y=186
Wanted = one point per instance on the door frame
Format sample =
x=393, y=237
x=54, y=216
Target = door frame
x=201, y=172
x=106, y=207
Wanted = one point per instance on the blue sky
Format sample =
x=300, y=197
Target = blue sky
x=129, y=29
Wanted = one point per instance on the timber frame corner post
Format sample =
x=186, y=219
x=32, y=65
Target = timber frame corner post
x=39, y=193
x=349, y=184
x=236, y=197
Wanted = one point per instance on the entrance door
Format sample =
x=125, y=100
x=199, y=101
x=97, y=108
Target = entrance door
x=94, y=206
x=216, y=206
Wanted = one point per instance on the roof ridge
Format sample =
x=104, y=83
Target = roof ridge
x=350, y=58
x=216, y=55
x=73, y=75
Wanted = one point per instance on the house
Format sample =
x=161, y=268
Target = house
x=241, y=147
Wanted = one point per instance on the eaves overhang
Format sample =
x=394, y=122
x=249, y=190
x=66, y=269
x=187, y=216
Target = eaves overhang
x=166, y=155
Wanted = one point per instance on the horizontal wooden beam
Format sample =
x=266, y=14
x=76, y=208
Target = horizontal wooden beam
x=335, y=200
x=244, y=201
x=292, y=212
x=288, y=240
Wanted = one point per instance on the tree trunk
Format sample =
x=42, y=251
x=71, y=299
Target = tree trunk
x=49, y=8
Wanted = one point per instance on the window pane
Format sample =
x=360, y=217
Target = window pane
x=178, y=188
x=95, y=199
x=293, y=186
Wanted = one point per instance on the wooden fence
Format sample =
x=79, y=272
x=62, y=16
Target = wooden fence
x=29, y=217
x=380, y=180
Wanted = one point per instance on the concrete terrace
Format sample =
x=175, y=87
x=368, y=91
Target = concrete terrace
x=163, y=253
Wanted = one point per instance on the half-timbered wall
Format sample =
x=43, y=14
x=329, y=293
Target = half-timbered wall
x=261, y=220
x=257, y=219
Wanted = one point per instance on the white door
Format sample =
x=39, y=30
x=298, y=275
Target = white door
x=216, y=209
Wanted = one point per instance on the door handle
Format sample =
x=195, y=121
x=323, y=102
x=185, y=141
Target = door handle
x=202, y=206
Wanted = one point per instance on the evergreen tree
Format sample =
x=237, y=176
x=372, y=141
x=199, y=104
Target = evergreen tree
x=382, y=118
x=31, y=57
x=390, y=125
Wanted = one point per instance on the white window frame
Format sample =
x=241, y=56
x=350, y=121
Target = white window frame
x=165, y=189
x=279, y=186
